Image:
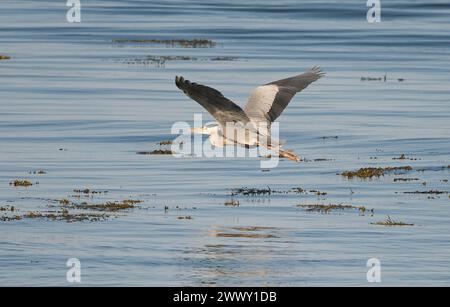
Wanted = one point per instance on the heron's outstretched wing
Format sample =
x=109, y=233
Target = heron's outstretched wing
x=221, y=108
x=267, y=102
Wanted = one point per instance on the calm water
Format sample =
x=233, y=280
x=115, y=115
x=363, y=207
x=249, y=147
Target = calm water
x=67, y=86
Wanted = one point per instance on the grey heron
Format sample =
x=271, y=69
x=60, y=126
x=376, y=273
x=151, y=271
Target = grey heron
x=264, y=106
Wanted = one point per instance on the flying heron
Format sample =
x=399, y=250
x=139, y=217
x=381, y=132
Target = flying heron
x=265, y=104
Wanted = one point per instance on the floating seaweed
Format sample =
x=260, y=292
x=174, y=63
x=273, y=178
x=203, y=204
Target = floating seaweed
x=224, y=58
x=384, y=78
x=89, y=191
x=318, y=193
x=232, y=203
x=110, y=206
x=406, y=179
x=10, y=218
x=245, y=191
x=187, y=217
x=156, y=152
x=427, y=192
x=38, y=172
x=160, y=61
x=390, y=222
x=4, y=57
x=184, y=43
x=8, y=208
x=370, y=172
x=65, y=215
x=21, y=183
x=322, y=208
x=404, y=157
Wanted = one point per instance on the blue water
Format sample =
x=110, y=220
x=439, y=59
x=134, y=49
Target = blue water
x=67, y=86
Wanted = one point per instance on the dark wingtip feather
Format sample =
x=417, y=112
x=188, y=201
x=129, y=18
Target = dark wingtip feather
x=179, y=81
x=317, y=70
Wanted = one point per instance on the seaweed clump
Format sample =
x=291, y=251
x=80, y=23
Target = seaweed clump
x=370, y=172
x=65, y=215
x=156, y=152
x=10, y=218
x=322, y=208
x=4, y=57
x=110, y=206
x=20, y=183
x=38, y=172
x=187, y=217
x=427, y=192
x=232, y=203
x=406, y=179
x=89, y=191
x=390, y=222
x=184, y=43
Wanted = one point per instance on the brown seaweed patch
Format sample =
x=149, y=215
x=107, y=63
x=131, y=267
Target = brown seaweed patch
x=232, y=203
x=158, y=61
x=38, y=172
x=8, y=208
x=384, y=78
x=318, y=193
x=184, y=43
x=4, y=57
x=245, y=191
x=65, y=215
x=156, y=152
x=433, y=168
x=405, y=179
x=322, y=208
x=225, y=58
x=21, y=183
x=64, y=202
x=327, y=137
x=370, y=172
x=390, y=222
x=404, y=157
x=252, y=191
x=89, y=191
x=10, y=218
x=427, y=192
x=187, y=217
x=111, y=206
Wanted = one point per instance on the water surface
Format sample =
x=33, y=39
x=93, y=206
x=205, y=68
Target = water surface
x=74, y=104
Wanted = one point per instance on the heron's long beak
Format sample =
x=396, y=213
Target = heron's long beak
x=197, y=130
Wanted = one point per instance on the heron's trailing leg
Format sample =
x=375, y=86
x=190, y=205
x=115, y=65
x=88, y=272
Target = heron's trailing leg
x=285, y=154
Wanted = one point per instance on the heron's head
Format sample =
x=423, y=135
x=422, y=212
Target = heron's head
x=206, y=129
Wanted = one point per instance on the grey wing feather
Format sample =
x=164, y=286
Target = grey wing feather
x=220, y=107
x=267, y=102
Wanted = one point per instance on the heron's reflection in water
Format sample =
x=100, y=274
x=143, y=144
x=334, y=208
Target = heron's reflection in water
x=233, y=253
